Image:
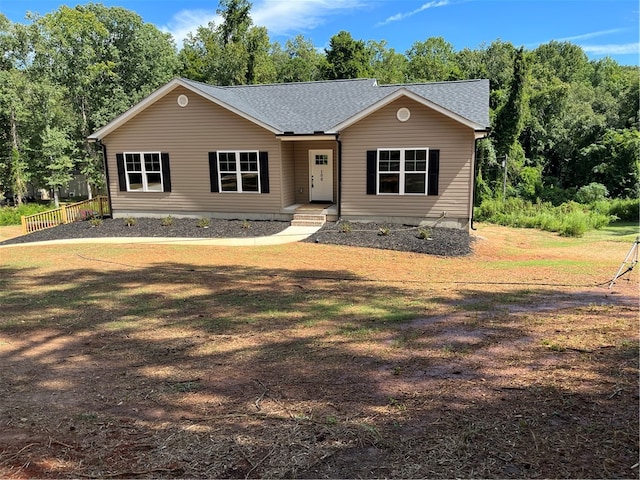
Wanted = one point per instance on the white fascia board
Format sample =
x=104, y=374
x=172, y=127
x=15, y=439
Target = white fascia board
x=305, y=138
x=404, y=92
x=157, y=95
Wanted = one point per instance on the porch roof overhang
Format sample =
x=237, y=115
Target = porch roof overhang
x=305, y=137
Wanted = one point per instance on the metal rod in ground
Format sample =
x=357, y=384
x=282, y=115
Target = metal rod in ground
x=629, y=261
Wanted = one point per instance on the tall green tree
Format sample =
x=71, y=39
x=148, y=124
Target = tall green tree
x=232, y=53
x=200, y=55
x=299, y=61
x=106, y=59
x=260, y=65
x=510, y=119
x=386, y=65
x=433, y=60
x=562, y=60
x=236, y=20
x=498, y=59
x=14, y=82
x=614, y=161
x=58, y=148
x=346, y=58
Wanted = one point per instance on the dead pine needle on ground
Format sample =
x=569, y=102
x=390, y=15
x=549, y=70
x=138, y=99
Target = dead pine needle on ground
x=311, y=360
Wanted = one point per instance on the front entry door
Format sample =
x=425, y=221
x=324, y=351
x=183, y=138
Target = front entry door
x=321, y=175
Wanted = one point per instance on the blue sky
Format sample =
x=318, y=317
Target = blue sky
x=601, y=27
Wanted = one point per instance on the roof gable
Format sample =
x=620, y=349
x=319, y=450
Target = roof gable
x=405, y=92
x=328, y=106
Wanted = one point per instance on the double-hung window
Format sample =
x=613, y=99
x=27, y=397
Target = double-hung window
x=239, y=171
x=402, y=171
x=143, y=171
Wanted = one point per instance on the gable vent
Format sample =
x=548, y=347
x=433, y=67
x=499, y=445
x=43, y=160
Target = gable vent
x=403, y=114
x=183, y=100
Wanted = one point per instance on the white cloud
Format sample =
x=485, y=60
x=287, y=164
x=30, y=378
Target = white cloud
x=188, y=21
x=283, y=17
x=603, y=49
x=585, y=36
x=280, y=17
x=401, y=16
x=613, y=49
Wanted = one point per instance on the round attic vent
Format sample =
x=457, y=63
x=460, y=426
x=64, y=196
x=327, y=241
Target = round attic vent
x=183, y=100
x=403, y=114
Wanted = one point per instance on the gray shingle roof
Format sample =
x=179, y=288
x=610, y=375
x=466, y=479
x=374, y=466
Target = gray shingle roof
x=308, y=107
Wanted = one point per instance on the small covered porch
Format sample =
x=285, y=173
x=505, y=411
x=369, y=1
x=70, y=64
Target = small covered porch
x=310, y=166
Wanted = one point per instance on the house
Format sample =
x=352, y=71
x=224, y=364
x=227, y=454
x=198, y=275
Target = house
x=361, y=151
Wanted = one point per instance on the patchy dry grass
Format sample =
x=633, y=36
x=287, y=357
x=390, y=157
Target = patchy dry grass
x=313, y=361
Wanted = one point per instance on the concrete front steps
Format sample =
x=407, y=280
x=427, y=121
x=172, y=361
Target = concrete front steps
x=308, y=220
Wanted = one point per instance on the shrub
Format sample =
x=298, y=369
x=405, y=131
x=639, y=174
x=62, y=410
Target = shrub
x=95, y=222
x=345, y=227
x=591, y=193
x=167, y=221
x=130, y=221
x=203, y=223
x=569, y=219
x=574, y=225
x=12, y=215
x=424, y=233
x=245, y=224
x=627, y=209
x=384, y=231
x=85, y=215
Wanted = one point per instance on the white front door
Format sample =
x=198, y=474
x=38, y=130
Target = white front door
x=321, y=175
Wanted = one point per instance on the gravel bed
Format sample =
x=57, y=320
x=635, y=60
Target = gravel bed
x=153, y=227
x=440, y=241
x=449, y=242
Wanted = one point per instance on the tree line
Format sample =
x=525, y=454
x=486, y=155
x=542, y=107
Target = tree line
x=560, y=122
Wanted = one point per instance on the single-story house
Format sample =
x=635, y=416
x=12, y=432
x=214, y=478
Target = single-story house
x=360, y=150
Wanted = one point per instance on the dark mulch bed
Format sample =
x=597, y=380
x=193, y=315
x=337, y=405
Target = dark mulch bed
x=153, y=227
x=441, y=241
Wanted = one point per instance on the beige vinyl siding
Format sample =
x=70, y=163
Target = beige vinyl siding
x=288, y=172
x=426, y=128
x=188, y=135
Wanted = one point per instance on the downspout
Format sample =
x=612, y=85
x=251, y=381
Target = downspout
x=473, y=180
x=475, y=176
x=106, y=174
x=339, y=175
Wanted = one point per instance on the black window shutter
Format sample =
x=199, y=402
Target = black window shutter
x=372, y=157
x=264, y=172
x=122, y=175
x=213, y=171
x=434, y=172
x=166, y=172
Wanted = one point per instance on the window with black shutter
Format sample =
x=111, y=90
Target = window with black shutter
x=143, y=172
x=239, y=171
x=403, y=171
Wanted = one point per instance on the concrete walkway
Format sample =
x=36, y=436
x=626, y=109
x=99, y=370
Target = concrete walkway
x=288, y=235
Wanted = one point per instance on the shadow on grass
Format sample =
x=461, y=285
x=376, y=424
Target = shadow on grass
x=179, y=370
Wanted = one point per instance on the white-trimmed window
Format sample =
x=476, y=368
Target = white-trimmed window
x=143, y=171
x=402, y=171
x=239, y=171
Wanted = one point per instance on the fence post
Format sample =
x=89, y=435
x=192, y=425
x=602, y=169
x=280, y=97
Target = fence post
x=63, y=214
x=24, y=224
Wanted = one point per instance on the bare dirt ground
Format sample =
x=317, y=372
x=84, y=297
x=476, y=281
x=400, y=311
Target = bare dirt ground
x=319, y=361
